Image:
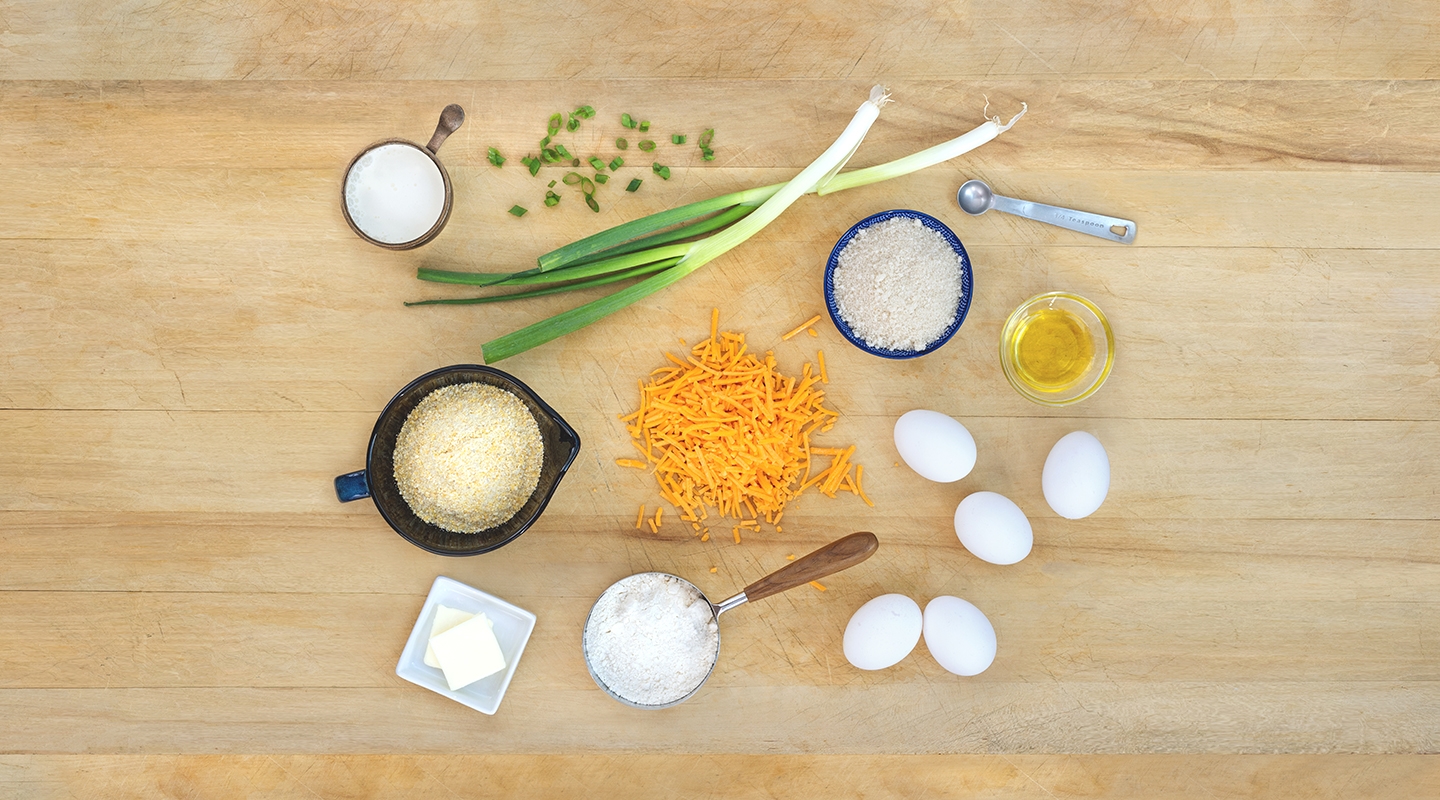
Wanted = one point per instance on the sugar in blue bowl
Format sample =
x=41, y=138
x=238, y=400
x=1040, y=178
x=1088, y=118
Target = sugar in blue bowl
x=967, y=283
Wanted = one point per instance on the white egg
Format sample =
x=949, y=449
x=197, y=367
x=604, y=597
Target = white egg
x=883, y=632
x=992, y=527
x=1077, y=475
x=959, y=636
x=935, y=445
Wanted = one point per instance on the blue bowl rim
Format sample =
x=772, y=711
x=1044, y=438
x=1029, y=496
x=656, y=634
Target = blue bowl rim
x=967, y=282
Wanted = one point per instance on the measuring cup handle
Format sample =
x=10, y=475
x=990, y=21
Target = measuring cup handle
x=450, y=121
x=352, y=486
x=1105, y=227
x=828, y=560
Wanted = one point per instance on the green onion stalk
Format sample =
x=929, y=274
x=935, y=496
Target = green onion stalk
x=656, y=249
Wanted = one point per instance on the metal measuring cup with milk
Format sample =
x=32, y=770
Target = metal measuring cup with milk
x=396, y=194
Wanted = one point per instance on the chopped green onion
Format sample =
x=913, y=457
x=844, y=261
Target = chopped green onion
x=584, y=112
x=574, y=162
x=532, y=163
x=596, y=163
x=677, y=138
x=627, y=120
x=634, y=184
x=707, y=137
x=518, y=211
x=586, y=185
x=621, y=144
x=616, y=163
x=544, y=143
x=646, y=145
x=590, y=201
x=560, y=149
x=495, y=157
x=552, y=184
x=556, y=120
x=600, y=178
x=549, y=155
x=663, y=172
x=551, y=199
x=644, y=125
x=573, y=124
x=572, y=179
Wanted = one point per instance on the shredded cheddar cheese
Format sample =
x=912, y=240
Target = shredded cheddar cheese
x=721, y=428
x=800, y=328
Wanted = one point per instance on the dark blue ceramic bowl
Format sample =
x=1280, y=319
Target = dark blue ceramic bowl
x=967, y=282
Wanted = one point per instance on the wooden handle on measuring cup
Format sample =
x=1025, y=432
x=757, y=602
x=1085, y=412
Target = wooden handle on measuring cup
x=828, y=560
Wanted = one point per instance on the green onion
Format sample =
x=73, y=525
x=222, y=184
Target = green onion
x=573, y=124
x=590, y=201
x=663, y=172
x=624, y=235
x=736, y=217
x=572, y=179
x=634, y=184
x=560, y=149
x=647, y=145
x=552, y=184
x=569, y=287
x=644, y=125
x=627, y=120
x=600, y=267
x=549, y=156
x=544, y=143
x=677, y=138
x=601, y=178
x=584, y=112
x=494, y=156
x=701, y=252
x=616, y=163
x=532, y=163
x=551, y=199
x=556, y=120
x=586, y=185
x=621, y=144
x=707, y=137
x=574, y=162
x=518, y=211
x=596, y=163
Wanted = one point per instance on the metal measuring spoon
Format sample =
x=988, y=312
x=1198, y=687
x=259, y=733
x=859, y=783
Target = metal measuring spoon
x=976, y=198
x=838, y=555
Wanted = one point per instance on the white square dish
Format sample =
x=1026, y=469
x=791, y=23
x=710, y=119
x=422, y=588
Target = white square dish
x=513, y=626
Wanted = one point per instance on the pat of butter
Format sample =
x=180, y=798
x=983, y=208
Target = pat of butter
x=468, y=652
x=445, y=619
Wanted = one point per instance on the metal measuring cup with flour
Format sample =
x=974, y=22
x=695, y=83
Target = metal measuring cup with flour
x=653, y=639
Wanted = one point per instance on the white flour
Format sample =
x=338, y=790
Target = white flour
x=651, y=638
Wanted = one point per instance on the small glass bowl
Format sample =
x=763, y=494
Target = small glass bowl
x=967, y=282
x=1101, y=337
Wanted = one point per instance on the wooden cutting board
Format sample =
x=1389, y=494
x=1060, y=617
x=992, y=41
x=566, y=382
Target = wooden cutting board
x=194, y=344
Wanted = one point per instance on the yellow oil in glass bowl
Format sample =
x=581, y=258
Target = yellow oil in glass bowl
x=1053, y=350
x=1057, y=348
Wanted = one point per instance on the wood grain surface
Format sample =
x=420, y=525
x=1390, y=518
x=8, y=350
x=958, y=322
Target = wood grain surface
x=193, y=344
